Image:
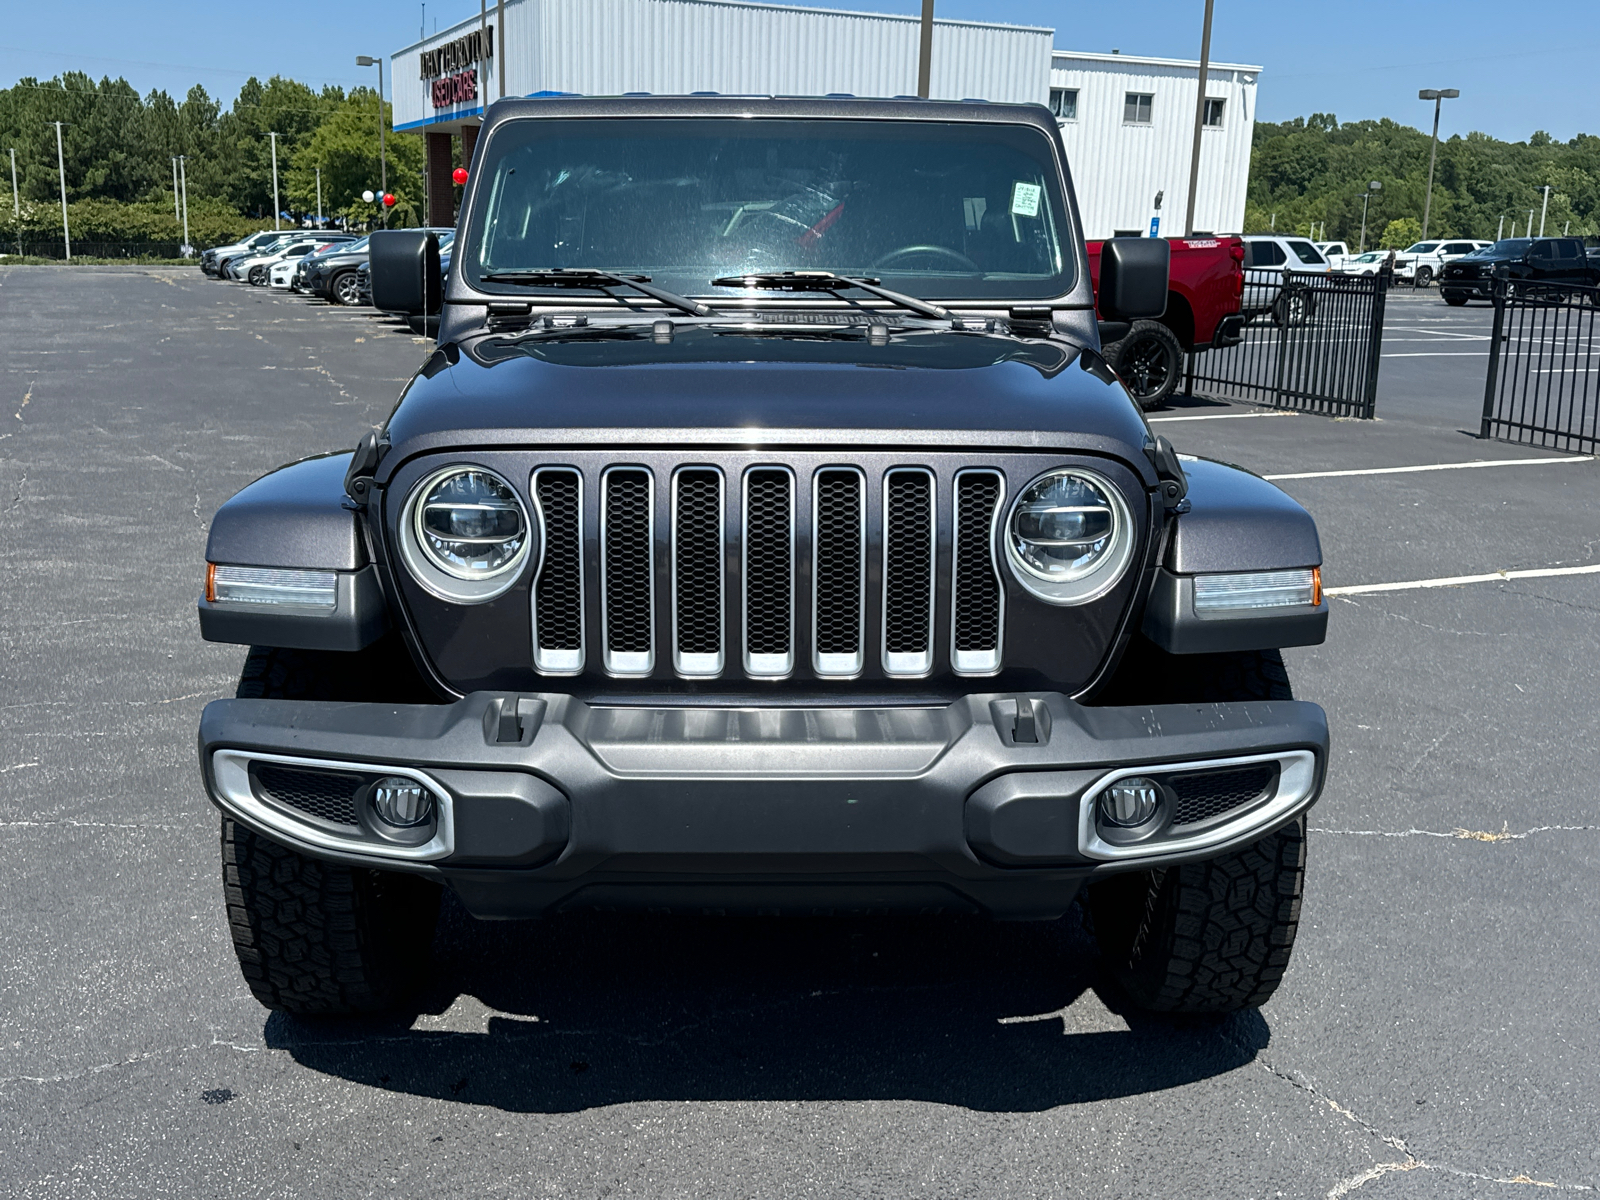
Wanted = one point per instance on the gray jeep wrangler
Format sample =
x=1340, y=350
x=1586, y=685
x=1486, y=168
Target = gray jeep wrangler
x=766, y=533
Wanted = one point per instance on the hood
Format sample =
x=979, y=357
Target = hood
x=923, y=388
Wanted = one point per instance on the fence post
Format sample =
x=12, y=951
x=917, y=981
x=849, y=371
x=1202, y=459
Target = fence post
x=1283, y=341
x=1380, y=290
x=1498, y=295
x=1188, y=375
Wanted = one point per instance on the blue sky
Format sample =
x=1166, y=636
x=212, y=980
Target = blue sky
x=1519, y=68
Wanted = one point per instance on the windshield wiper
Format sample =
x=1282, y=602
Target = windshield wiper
x=589, y=277
x=827, y=281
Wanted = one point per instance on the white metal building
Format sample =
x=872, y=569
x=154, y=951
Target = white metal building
x=1127, y=122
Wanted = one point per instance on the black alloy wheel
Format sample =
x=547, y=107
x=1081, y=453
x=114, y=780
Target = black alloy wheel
x=346, y=288
x=1148, y=361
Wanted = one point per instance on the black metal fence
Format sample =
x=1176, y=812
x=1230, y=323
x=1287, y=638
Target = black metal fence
x=1543, y=385
x=1311, y=342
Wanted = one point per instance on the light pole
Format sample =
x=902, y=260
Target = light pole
x=61, y=165
x=183, y=185
x=1438, y=96
x=1499, y=229
x=1544, y=209
x=177, y=213
x=275, y=207
x=1199, y=123
x=366, y=60
x=1373, y=185
x=925, y=51
x=319, y=197
x=16, y=200
x=1529, y=232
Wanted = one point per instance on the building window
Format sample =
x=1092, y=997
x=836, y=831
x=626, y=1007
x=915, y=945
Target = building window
x=1136, y=108
x=1214, y=112
x=1064, y=103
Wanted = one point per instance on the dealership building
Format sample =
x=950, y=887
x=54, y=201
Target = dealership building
x=1127, y=122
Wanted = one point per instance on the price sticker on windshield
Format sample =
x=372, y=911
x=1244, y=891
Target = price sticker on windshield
x=1025, y=199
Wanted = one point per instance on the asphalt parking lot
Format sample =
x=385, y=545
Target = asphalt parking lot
x=1437, y=1034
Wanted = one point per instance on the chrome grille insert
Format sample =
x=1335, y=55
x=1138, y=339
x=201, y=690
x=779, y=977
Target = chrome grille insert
x=909, y=524
x=697, y=571
x=558, y=587
x=627, y=569
x=977, y=596
x=768, y=571
x=839, y=571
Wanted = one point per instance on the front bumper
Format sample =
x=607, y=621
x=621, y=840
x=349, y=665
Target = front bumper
x=545, y=801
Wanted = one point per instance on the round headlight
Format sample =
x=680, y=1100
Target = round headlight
x=1069, y=537
x=465, y=534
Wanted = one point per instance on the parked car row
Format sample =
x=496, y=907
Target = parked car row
x=319, y=262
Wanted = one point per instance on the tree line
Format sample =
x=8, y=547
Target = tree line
x=1313, y=170
x=117, y=149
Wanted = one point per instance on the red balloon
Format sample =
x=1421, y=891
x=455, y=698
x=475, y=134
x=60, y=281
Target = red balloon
x=460, y=176
x=388, y=199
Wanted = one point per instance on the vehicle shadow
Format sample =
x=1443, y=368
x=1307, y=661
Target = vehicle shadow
x=592, y=1010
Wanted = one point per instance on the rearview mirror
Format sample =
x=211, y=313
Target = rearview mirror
x=404, y=264
x=1133, y=278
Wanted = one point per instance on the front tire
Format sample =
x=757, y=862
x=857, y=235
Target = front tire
x=1455, y=301
x=345, y=288
x=1293, y=307
x=317, y=938
x=1424, y=277
x=1213, y=936
x=1148, y=361
x=258, y=276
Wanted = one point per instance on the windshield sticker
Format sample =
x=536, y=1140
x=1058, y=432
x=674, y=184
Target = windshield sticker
x=1025, y=199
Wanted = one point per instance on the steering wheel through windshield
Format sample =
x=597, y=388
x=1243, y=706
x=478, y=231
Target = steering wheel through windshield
x=930, y=250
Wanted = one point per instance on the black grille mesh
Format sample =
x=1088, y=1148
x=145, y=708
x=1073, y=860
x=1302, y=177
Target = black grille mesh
x=327, y=795
x=838, y=557
x=907, y=561
x=1203, y=796
x=769, y=569
x=697, y=550
x=558, y=592
x=627, y=561
x=976, y=594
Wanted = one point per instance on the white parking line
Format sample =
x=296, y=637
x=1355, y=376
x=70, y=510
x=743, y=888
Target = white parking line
x=1439, y=353
x=1460, y=466
x=1223, y=416
x=1364, y=589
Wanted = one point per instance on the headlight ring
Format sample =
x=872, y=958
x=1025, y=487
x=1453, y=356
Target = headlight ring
x=465, y=534
x=1069, y=536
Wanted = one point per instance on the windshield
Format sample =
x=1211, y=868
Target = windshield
x=1421, y=248
x=1505, y=248
x=939, y=210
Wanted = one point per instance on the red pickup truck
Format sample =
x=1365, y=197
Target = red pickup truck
x=1204, y=288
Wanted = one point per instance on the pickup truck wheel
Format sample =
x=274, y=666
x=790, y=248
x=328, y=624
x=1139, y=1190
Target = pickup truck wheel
x=1424, y=277
x=1148, y=361
x=1455, y=301
x=345, y=288
x=317, y=938
x=1214, y=936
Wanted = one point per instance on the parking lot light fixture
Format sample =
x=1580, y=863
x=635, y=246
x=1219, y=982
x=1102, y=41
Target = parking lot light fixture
x=276, y=209
x=16, y=200
x=1438, y=96
x=1499, y=229
x=368, y=60
x=61, y=165
x=1372, y=186
x=1544, y=209
x=183, y=190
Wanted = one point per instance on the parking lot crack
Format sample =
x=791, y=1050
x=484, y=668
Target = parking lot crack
x=1460, y=834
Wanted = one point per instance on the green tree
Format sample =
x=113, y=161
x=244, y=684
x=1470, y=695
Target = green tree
x=345, y=147
x=1400, y=233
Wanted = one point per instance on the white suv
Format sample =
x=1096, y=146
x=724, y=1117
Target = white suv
x=1422, y=262
x=1266, y=258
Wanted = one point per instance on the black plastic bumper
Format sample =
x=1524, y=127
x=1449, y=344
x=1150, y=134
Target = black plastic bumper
x=550, y=801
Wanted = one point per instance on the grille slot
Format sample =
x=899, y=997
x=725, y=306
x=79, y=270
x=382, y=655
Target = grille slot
x=627, y=570
x=697, y=571
x=908, y=550
x=326, y=795
x=1209, y=794
x=977, y=599
x=768, y=571
x=839, y=570
x=558, y=590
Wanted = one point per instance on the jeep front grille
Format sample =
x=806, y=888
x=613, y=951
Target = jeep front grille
x=757, y=570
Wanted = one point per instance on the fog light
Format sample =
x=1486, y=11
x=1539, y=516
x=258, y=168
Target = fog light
x=401, y=802
x=1130, y=802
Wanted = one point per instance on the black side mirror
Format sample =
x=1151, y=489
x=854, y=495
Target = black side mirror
x=405, y=272
x=1133, y=278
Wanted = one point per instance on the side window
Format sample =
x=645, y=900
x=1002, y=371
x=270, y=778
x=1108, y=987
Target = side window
x=1136, y=108
x=1064, y=103
x=1305, y=252
x=1542, y=253
x=1566, y=251
x=1267, y=254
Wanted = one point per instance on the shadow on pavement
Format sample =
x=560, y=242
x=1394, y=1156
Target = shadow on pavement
x=607, y=1009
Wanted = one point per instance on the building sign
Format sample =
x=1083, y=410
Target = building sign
x=453, y=58
x=460, y=88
